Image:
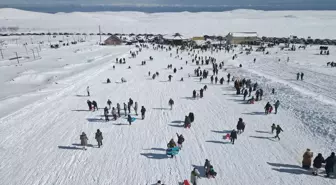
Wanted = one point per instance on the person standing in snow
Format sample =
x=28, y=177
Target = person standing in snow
x=261, y=93
x=267, y=107
x=317, y=164
x=187, y=122
x=99, y=138
x=95, y=106
x=216, y=80
x=136, y=108
x=118, y=109
x=129, y=119
x=129, y=107
x=89, y=104
x=88, y=90
x=233, y=136
x=171, y=103
x=297, y=76
x=302, y=76
x=228, y=76
x=109, y=103
x=307, y=159
x=330, y=163
x=201, y=93
x=125, y=109
x=194, y=176
x=211, y=79
x=278, y=130
x=194, y=94
x=257, y=95
x=114, y=114
x=207, y=165
x=130, y=102
x=106, y=114
x=205, y=87
x=250, y=91
x=170, y=77
x=180, y=140
x=240, y=126
x=273, y=128
x=143, y=112
x=171, y=144
x=245, y=94
x=276, y=106
x=84, y=140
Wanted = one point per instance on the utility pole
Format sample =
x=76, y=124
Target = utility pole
x=99, y=35
x=33, y=53
x=17, y=57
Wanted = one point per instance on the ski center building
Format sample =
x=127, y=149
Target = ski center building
x=242, y=37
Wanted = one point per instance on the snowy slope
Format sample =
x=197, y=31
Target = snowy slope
x=39, y=142
x=317, y=24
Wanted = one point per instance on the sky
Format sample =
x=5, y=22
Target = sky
x=167, y=2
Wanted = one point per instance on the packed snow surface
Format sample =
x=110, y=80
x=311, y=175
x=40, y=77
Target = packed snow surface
x=43, y=108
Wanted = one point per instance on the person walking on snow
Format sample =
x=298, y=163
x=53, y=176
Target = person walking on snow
x=106, y=114
x=245, y=94
x=240, y=126
x=330, y=163
x=194, y=176
x=194, y=94
x=278, y=130
x=233, y=136
x=273, y=128
x=170, y=77
x=95, y=106
x=171, y=103
x=88, y=90
x=267, y=107
x=302, y=76
x=276, y=106
x=307, y=159
x=136, y=108
x=250, y=91
x=129, y=119
x=143, y=111
x=125, y=109
x=114, y=114
x=118, y=109
x=99, y=138
x=201, y=93
x=180, y=140
x=84, y=140
x=89, y=104
x=261, y=93
x=109, y=103
x=297, y=76
x=317, y=164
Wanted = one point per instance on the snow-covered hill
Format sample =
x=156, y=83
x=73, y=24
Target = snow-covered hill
x=317, y=24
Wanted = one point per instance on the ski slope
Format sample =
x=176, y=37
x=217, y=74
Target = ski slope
x=39, y=140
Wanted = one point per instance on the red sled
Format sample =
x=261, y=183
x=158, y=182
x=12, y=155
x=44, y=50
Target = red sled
x=227, y=136
x=270, y=109
x=186, y=182
x=188, y=126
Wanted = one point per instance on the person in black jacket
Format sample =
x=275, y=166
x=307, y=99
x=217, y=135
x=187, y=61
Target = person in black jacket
x=194, y=93
x=245, y=94
x=240, y=126
x=267, y=107
x=171, y=103
x=180, y=140
x=143, y=112
x=99, y=138
x=317, y=164
x=330, y=162
x=261, y=93
x=106, y=114
x=89, y=104
x=201, y=93
x=233, y=136
x=95, y=106
x=109, y=103
x=278, y=129
x=187, y=122
x=129, y=119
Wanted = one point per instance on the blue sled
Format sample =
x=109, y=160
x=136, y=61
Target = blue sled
x=173, y=151
x=132, y=119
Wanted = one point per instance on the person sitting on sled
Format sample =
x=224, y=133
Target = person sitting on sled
x=211, y=172
x=251, y=101
x=171, y=143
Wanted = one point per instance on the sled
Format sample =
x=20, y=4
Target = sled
x=186, y=182
x=173, y=151
x=133, y=119
x=227, y=137
x=270, y=110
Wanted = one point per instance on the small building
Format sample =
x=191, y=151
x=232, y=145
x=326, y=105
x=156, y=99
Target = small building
x=113, y=40
x=174, y=39
x=242, y=37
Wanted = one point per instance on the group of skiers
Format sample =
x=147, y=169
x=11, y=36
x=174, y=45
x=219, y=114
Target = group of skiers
x=318, y=161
